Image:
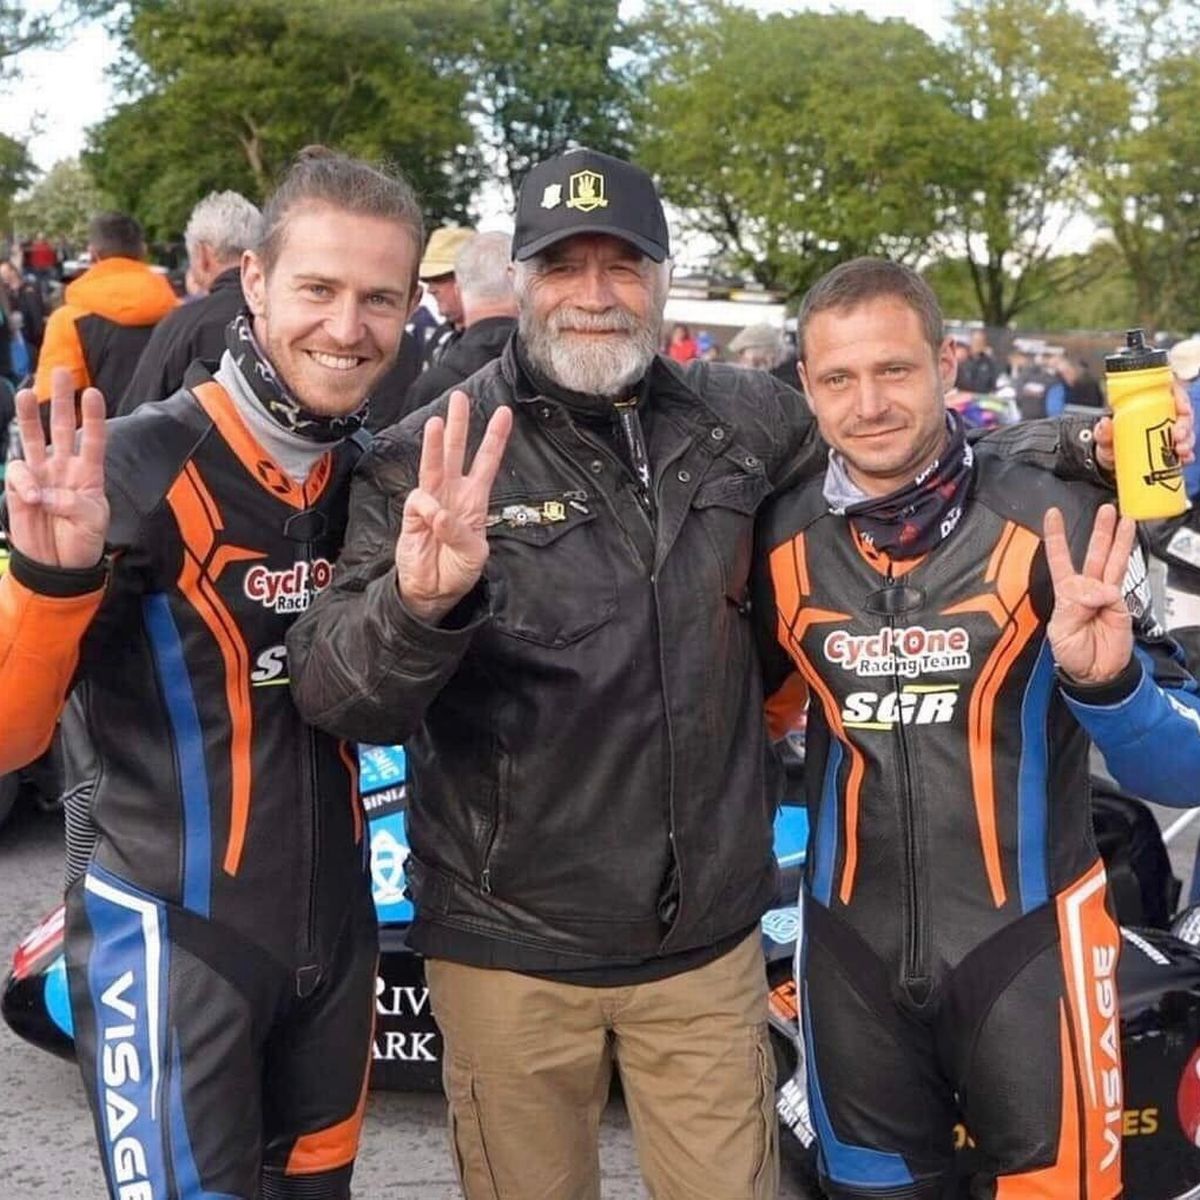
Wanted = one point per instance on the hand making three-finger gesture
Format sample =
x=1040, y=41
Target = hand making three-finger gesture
x=442, y=547
x=57, y=510
x=1090, y=629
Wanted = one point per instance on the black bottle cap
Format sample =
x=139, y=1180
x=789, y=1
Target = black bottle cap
x=1136, y=356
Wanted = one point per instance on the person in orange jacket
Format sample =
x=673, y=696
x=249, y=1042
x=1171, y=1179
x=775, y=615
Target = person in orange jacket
x=109, y=314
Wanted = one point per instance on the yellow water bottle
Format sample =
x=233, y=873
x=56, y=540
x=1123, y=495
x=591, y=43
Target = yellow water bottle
x=1149, y=476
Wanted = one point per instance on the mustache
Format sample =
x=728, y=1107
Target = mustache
x=612, y=320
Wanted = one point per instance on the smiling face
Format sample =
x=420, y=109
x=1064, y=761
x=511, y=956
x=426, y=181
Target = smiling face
x=590, y=311
x=330, y=312
x=877, y=390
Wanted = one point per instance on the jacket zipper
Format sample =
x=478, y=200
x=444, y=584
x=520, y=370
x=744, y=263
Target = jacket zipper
x=914, y=975
x=309, y=971
x=643, y=506
x=485, y=875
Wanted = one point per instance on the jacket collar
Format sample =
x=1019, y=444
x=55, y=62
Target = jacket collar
x=231, y=277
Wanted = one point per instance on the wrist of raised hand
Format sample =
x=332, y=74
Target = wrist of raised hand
x=429, y=611
x=60, y=582
x=1112, y=690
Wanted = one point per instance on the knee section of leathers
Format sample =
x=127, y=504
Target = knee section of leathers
x=323, y=1185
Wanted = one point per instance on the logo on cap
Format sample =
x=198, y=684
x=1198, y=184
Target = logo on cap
x=587, y=191
x=552, y=196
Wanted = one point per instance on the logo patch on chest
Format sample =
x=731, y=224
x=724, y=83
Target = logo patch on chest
x=912, y=706
x=291, y=590
x=908, y=652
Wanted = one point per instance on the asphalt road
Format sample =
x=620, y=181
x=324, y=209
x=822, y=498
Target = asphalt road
x=46, y=1144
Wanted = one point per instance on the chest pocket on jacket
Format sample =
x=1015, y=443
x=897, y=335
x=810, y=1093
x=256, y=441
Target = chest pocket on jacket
x=726, y=505
x=555, y=581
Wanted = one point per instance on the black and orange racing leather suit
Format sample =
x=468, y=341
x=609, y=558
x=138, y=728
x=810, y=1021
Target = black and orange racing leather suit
x=222, y=944
x=959, y=956
x=100, y=331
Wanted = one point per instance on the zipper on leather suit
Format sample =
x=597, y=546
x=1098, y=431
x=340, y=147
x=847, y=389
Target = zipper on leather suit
x=915, y=982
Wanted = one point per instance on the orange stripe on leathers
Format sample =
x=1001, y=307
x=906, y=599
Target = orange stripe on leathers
x=195, y=511
x=1060, y=1181
x=1011, y=608
x=270, y=476
x=789, y=574
x=1091, y=945
x=40, y=638
x=328, y=1149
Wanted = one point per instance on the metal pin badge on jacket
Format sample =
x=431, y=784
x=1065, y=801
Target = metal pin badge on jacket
x=518, y=515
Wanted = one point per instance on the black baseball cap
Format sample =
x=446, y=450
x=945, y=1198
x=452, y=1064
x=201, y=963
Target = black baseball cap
x=584, y=191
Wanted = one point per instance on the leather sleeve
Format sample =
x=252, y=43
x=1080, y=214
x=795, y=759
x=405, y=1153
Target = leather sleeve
x=1063, y=445
x=159, y=371
x=785, y=693
x=1146, y=722
x=40, y=639
x=361, y=666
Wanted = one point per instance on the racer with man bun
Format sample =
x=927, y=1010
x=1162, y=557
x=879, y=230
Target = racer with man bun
x=222, y=943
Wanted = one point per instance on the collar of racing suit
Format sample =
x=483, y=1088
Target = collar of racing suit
x=295, y=454
x=274, y=393
x=913, y=519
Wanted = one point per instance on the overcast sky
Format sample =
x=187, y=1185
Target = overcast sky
x=62, y=92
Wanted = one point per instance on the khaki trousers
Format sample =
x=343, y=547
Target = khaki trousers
x=528, y=1064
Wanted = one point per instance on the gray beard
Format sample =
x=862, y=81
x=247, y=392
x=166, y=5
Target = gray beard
x=601, y=367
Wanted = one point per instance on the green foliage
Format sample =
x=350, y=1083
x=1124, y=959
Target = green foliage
x=1148, y=192
x=225, y=95
x=1106, y=301
x=17, y=169
x=60, y=204
x=1038, y=97
x=546, y=80
x=794, y=141
x=22, y=30
x=788, y=142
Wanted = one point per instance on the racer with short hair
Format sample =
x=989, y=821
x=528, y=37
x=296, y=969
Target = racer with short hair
x=955, y=908
x=222, y=943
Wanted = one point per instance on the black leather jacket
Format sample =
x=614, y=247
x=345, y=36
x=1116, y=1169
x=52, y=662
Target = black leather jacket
x=585, y=734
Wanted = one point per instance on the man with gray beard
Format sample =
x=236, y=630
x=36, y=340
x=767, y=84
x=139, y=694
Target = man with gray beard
x=569, y=659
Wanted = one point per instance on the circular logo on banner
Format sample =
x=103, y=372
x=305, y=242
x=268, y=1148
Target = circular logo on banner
x=387, y=868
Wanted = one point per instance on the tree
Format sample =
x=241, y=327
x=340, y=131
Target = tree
x=61, y=203
x=774, y=141
x=546, y=80
x=1038, y=98
x=225, y=95
x=1105, y=304
x=1148, y=192
x=17, y=172
x=22, y=30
